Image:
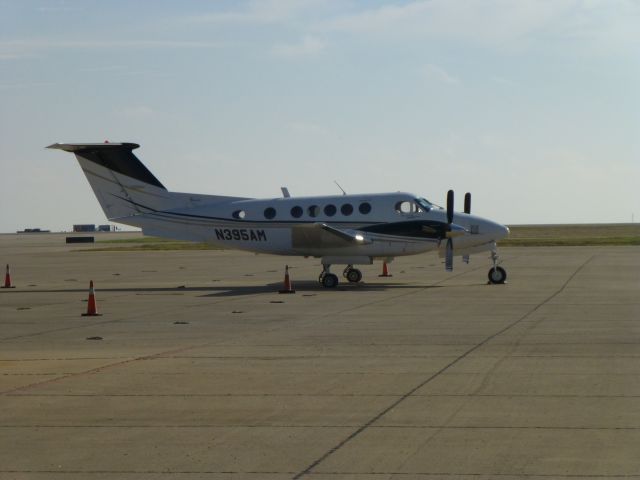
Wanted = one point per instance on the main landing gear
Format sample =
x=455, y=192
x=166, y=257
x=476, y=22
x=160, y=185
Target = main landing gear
x=329, y=280
x=352, y=274
x=497, y=275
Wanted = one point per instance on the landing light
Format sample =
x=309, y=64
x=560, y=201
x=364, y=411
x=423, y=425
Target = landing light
x=359, y=238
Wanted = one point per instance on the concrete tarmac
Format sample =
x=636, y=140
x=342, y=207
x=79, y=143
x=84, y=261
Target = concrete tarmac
x=204, y=371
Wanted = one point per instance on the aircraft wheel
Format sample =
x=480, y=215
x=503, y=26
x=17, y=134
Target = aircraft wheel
x=497, y=275
x=354, y=275
x=329, y=280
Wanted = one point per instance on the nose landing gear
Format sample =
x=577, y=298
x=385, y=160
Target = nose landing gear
x=497, y=275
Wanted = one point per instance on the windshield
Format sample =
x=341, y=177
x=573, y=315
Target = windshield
x=425, y=204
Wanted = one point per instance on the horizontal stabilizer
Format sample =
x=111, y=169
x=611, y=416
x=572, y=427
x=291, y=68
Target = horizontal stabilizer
x=74, y=147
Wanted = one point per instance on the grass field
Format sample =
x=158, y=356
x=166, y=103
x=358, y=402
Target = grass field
x=148, y=244
x=572, y=235
x=521, y=236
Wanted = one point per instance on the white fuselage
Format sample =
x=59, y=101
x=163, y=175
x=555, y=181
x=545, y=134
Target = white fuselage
x=287, y=226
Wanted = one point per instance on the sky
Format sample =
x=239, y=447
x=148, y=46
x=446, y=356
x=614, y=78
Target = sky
x=533, y=106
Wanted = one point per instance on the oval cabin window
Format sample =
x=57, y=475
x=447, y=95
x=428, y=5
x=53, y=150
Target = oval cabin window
x=313, y=210
x=364, y=208
x=330, y=210
x=269, y=213
x=296, y=212
x=346, y=209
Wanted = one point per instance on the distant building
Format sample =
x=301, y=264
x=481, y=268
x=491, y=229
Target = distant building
x=104, y=228
x=34, y=230
x=84, y=228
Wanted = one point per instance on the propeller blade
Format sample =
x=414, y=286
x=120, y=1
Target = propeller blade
x=449, y=256
x=467, y=202
x=450, y=206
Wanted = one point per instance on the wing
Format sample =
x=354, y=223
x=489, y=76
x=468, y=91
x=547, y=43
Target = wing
x=348, y=235
x=321, y=235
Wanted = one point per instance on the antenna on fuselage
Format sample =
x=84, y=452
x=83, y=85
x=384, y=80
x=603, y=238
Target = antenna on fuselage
x=336, y=182
x=285, y=192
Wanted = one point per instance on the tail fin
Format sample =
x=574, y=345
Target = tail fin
x=123, y=185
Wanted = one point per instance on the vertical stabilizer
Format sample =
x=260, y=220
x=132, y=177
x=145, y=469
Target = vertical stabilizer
x=123, y=185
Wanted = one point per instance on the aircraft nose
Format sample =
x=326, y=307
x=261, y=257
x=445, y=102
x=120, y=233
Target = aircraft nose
x=496, y=230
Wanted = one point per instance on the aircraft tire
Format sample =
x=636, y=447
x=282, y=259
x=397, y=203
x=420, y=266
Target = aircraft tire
x=354, y=275
x=497, y=275
x=330, y=280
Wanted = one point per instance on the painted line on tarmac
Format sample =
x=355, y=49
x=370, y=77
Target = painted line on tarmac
x=314, y=464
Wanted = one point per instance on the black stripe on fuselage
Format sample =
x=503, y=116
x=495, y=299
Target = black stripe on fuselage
x=417, y=230
x=413, y=228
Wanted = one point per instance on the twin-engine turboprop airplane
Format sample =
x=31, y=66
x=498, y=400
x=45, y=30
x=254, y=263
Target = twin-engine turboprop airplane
x=341, y=230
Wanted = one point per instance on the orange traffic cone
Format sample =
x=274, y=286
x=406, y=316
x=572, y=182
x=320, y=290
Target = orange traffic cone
x=7, y=279
x=385, y=271
x=92, y=310
x=288, y=288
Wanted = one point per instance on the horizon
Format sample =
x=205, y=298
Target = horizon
x=129, y=229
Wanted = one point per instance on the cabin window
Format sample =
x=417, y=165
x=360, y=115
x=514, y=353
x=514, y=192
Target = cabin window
x=296, y=212
x=405, y=207
x=313, y=210
x=269, y=213
x=330, y=210
x=365, y=208
x=346, y=209
x=239, y=214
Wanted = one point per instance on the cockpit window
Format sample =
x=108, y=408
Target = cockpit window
x=425, y=204
x=407, y=207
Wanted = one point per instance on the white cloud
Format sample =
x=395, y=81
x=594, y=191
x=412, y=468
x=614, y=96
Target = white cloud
x=605, y=26
x=57, y=9
x=9, y=55
x=257, y=12
x=10, y=86
x=104, y=69
x=140, y=44
x=11, y=49
x=503, y=81
x=138, y=111
x=434, y=72
x=307, y=128
x=308, y=46
x=503, y=24
x=480, y=20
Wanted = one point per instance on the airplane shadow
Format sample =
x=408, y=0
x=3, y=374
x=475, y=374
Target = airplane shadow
x=311, y=287
x=302, y=287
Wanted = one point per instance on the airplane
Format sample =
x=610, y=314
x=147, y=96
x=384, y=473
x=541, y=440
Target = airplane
x=339, y=229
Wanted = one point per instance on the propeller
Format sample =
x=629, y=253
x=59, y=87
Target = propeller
x=449, y=252
x=450, y=207
x=453, y=230
x=467, y=210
